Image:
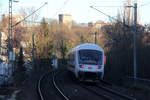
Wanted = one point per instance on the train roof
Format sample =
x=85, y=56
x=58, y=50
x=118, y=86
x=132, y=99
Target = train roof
x=87, y=46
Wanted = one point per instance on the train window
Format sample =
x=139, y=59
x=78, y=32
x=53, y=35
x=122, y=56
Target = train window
x=71, y=59
x=90, y=57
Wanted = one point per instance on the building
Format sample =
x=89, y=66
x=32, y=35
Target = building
x=15, y=18
x=3, y=46
x=65, y=19
x=97, y=24
x=83, y=24
x=96, y=30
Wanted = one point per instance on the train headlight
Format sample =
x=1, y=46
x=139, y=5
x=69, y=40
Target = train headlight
x=82, y=66
x=98, y=67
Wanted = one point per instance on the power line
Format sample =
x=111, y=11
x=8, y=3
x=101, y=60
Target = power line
x=106, y=14
x=107, y=6
x=65, y=3
x=134, y=36
x=29, y=15
x=106, y=1
x=110, y=17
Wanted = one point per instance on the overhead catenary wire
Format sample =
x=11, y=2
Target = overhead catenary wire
x=65, y=3
x=108, y=6
x=29, y=15
x=105, y=14
x=106, y=1
x=109, y=16
x=134, y=36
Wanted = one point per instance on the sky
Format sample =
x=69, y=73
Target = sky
x=79, y=9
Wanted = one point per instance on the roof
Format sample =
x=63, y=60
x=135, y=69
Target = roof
x=87, y=46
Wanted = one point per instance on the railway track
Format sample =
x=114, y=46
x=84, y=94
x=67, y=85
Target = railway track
x=74, y=91
x=57, y=87
x=39, y=87
x=83, y=95
x=100, y=94
x=45, y=93
x=119, y=94
x=115, y=89
x=65, y=89
x=107, y=93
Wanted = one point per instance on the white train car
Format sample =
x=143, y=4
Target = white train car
x=86, y=62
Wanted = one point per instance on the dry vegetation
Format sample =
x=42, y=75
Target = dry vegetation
x=116, y=39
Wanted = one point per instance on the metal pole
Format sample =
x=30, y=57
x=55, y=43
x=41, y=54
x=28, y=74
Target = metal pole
x=10, y=29
x=134, y=40
x=0, y=43
x=11, y=56
x=10, y=37
x=95, y=37
x=33, y=48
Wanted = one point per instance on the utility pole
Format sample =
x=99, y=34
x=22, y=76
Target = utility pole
x=134, y=34
x=10, y=53
x=10, y=46
x=134, y=41
x=95, y=37
x=0, y=43
x=10, y=30
x=33, y=49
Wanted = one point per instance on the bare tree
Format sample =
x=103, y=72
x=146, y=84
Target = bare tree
x=32, y=19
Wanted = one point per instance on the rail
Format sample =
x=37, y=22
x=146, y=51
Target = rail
x=116, y=92
x=54, y=82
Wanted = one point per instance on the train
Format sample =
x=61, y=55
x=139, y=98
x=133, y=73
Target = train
x=86, y=61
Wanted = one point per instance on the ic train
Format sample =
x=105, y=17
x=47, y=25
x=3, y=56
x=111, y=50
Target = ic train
x=86, y=62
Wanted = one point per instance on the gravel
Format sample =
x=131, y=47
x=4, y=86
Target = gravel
x=29, y=87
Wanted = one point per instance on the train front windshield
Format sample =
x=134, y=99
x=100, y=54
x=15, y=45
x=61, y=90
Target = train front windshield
x=91, y=57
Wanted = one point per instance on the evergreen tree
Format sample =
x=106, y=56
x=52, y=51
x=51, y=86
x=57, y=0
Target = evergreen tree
x=20, y=71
